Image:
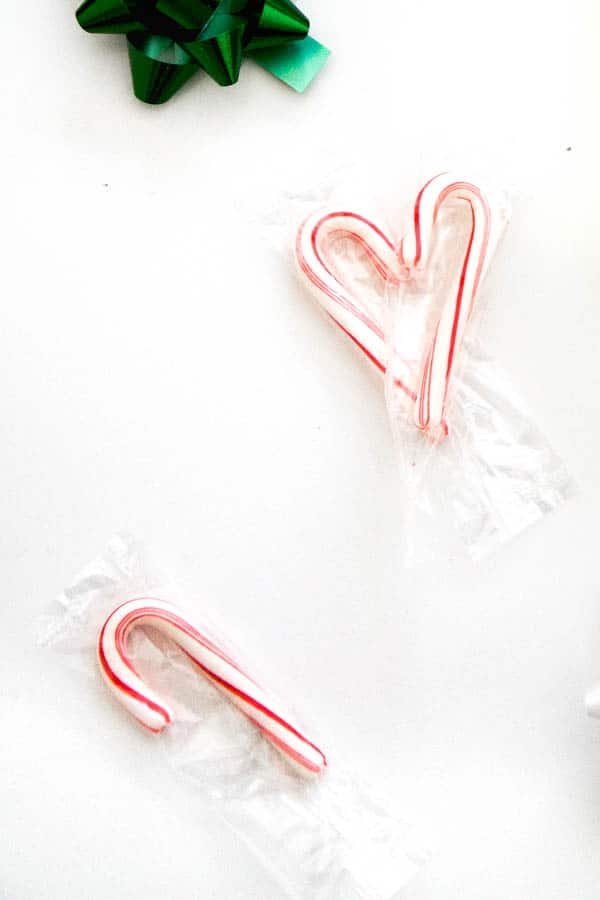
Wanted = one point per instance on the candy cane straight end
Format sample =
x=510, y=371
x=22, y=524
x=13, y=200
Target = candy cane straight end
x=212, y=661
x=435, y=435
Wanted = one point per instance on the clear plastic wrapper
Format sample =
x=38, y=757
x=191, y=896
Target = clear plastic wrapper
x=406, y=284
x=323, y=837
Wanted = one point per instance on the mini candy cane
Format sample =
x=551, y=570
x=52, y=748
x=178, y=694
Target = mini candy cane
x=487, y=222
x=363, y=326
x=154, y=714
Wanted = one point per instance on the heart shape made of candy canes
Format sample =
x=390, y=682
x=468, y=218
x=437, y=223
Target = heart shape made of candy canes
x=425, y=389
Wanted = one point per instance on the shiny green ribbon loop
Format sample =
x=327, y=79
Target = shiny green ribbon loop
x=170, y=40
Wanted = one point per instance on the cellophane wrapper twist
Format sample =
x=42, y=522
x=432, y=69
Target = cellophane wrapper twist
x=322, y=837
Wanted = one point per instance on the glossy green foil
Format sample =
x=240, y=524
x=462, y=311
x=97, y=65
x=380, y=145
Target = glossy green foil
x=171, y=40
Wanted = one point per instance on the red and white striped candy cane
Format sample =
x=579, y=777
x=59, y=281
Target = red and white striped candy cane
x=487, y=222
x=149, y=708
x=362, y=325
x=424, y=391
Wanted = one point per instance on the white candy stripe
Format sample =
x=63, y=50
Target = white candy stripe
x=359, y=323
x=148, y=707
x=487, y=223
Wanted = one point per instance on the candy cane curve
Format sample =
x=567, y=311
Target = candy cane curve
x=487, y=222
x=217, y=665
x=357, y=322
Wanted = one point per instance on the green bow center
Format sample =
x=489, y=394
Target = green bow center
x=185, y=21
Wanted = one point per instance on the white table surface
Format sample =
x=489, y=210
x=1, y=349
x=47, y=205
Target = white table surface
x=162, y=372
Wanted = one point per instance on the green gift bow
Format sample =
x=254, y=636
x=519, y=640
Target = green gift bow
x=170, y=40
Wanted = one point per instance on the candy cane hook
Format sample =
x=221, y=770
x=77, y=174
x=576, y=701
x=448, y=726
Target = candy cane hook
x=152, y=711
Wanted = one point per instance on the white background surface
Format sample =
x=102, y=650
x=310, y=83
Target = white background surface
x=161, y=371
